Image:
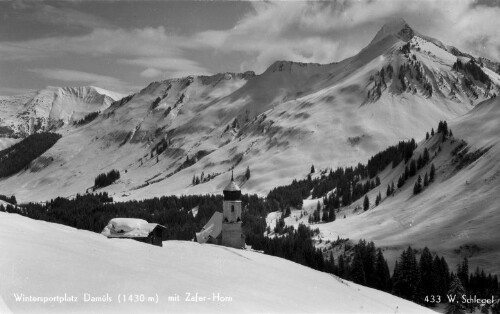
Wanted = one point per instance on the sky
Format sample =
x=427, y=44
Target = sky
x=124, y=45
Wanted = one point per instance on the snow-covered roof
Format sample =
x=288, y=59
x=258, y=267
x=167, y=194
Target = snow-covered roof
x=211, y=229
x=129, y=228
x=232, y=186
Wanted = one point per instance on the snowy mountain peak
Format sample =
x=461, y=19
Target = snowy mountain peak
x=397, y=28
x=52, y=107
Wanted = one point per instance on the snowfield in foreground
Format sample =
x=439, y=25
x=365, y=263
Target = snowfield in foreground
x=41, y=259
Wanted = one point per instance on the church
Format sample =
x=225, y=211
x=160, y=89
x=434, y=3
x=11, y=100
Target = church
x=225, y=228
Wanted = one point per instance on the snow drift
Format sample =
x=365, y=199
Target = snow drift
x=42, y=259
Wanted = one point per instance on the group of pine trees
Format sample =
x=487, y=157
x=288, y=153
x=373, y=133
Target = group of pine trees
x=413, y=166
x=346, y=181
x=428, y=179
x=105, y=179
x=9, y=199
x=363, y=263
x=88, y=118
x=155, y=103
x=473, y=69
x=327, y=214
x=18, y=156
x=425, y=280
x=444, y=130
x=203, y=178
x=423, y=159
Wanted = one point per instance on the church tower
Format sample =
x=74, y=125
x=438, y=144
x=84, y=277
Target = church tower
x=232, y=234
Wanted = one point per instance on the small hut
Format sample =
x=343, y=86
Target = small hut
x=136, y=229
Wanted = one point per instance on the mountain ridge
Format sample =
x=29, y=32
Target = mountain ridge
x=391, y=90
x=49, y=107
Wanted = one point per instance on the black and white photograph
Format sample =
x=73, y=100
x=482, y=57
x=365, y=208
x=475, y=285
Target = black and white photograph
x=250, y=156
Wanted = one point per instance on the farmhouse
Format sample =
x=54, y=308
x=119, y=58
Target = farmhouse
x=137, y=229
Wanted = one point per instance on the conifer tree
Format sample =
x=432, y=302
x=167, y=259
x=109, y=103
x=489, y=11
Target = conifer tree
x=456, y=290
x=406, y=279
x=392, y=187
x=427, y=273
x=432, y=132
x=389, y=192
x=341, y=268
x=418, y=185
x=325, y=216
x=426, y=156
x=463, y=272
x=312, y=169
x=382, y=274
x=377, y=181
x=378, y=199
x=426, y=179
x=432, y=173
x=247, y=173
x=420, y=162
x=401, y=181
x=357, y=269
x=366, y=203
x=413, y=168
x=331, y=214
x=427, y=136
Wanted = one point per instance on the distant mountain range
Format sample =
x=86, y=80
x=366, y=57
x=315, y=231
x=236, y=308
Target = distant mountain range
x=277, y=123
x=50, y=108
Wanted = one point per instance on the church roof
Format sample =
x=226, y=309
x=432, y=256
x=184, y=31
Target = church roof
x=211, y=229
x=232, y=186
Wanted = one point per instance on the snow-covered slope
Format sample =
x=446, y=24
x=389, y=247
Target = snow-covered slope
x=457, y=215
x=277, y=123
x=50, y=107
x=41, y=259
x=6, y=142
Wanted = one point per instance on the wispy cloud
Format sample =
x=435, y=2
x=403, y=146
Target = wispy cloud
x=72, y=76
x=153, y=49
x=48, y=13
x=166, y=66
x=331, y=31
x=303, y=31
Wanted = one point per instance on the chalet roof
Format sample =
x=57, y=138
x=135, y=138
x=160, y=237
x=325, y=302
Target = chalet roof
x=129, y=228
x=211, y=229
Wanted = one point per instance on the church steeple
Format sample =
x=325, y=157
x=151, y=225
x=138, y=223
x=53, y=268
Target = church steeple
x=232, y=191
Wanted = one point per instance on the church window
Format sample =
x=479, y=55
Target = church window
x=232, y=208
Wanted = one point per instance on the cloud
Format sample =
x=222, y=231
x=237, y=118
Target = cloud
x=150, y=48
x=147, y=41
x=321, y=32
x=166, y=66
x=331, y=31
x=58, y=15
x=151, y=72
x=72, y=76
